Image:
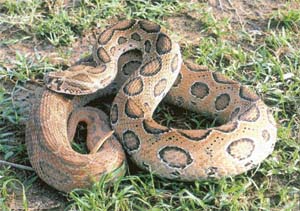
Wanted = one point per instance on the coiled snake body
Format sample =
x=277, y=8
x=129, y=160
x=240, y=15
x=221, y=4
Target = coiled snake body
x=246, y=138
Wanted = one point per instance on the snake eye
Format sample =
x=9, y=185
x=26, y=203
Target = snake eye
x=58, y=82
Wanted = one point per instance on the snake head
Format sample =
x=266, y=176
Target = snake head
x=79, y=79
x=61, y=82
x=53, y=81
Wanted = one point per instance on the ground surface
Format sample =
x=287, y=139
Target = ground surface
x=255, y=43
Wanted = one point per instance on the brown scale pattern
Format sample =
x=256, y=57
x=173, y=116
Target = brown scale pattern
x=151, y=68
x=132, y=110
x=51, y=154
x=222, y=101
x=134, y=86
x=160, y=87
x=199, y=90
x=144, y=63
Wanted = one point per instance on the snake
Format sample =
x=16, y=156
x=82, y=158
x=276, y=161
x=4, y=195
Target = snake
x=138, y=61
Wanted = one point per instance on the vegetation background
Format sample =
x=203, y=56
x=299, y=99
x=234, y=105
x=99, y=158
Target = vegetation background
x=255, y=42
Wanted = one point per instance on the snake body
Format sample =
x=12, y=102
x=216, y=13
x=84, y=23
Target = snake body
x=247, y=136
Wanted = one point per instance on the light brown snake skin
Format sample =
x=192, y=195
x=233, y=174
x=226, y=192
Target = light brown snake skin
x=247, y=136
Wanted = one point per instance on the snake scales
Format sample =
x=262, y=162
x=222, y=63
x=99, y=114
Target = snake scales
x=246, y=138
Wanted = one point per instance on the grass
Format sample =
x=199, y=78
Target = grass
x=268, y=61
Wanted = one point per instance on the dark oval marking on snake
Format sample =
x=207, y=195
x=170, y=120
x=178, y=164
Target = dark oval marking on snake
x=105, y=36
x=131, y=141
x=222, y=101
x=220, y=78
x=175, y=157
x=149, y=27
x=122, y=40
x=135, y=36
x=227, y=128
x=124, y=25
x=199, y=90
x=134, y=86
x=160, y=87
x=246, y=94
x=152, y=67
x=103, y=55
x=114, y=114
x=132, y=110
x=163, y=44
x=241, y=149
x=251, y=114
x=151, y=127
x=200, y=135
